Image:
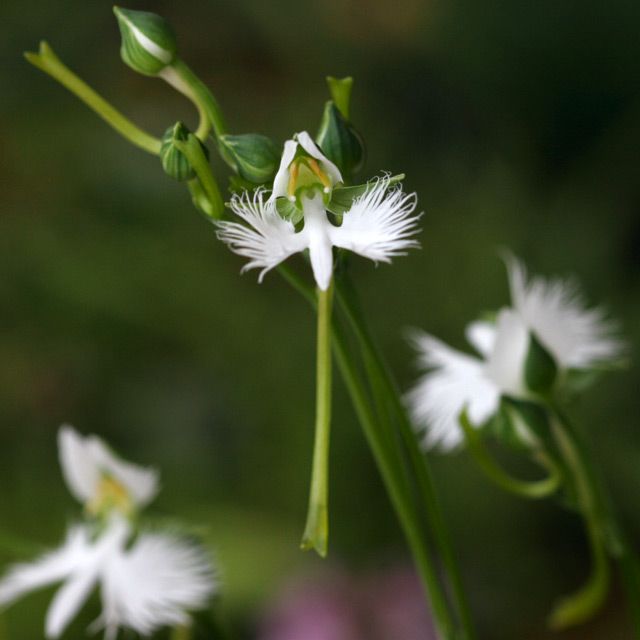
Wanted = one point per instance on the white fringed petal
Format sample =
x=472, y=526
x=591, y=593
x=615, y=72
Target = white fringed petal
x=155, y=583
x=86, y=460
x=553, y=309
x=48, y=569
x=379, y=225
x=453, y=381
x=267, y=241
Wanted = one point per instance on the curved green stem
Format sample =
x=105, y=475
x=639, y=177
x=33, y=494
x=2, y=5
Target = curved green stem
x=47, y=61
x=390, y=466
x=386, y=388
x=184, y=80
x=526, y=488
x=605, y=525
x=581, y=605
x=316, y=531
x=206, y=194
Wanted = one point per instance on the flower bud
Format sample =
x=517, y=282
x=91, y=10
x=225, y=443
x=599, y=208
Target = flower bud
x=254, y=156
x=148, y=41
x=174, y=162
x=339, y=140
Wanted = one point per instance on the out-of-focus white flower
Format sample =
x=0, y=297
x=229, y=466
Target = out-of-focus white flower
x=146, y=582
x=379, y=224
x=100, y=479
x=551, y=310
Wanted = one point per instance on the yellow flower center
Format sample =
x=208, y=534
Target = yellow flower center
x=306, y=172
x=110, y=495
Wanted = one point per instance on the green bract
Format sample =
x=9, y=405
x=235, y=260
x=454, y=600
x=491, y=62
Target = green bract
x=174, y=162
x=340, y=90
x=255, y=156
x=540, y=369
x=148, y=41
x=339, y=141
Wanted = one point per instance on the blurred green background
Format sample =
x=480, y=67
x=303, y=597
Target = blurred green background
x=518, y=124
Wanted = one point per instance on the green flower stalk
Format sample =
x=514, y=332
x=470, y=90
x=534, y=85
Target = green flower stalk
x=46, y=60
x=316, y=532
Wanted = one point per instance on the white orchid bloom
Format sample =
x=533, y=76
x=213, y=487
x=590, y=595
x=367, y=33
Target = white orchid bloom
x=98, y=478
x=144, y=585
x=551, y=310
x=379, y=224
x=329, y=174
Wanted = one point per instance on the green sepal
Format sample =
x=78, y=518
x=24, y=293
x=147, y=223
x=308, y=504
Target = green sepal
x=339, y=140
x=340, y=90
x=174, y=162
x=540, y=369
x=289, y=211
x=254, y=156
x=148, y=41
x=342, y=197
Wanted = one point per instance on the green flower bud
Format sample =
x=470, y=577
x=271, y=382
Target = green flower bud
x=148, y=41
x=174, y=162
x=254, y=156
x=339, y=140
x=540, y=369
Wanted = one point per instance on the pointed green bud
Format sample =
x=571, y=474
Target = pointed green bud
x=540, y=369
x=174, y=162
x=254, y=156
x=339, y=141
x=340, y=90
x=148, y=41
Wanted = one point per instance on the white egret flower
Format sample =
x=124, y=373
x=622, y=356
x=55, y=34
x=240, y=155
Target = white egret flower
x=379, y=224
x=552, y=310
x=146, y=581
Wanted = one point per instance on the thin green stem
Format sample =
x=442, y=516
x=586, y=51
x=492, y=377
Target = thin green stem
x=316, y=531
x=192, y=149
x=603, y=528
x=389, y=464
x=47, y=61
x=580, y=606
x=526, y=488
x=184, y=80
x=385, y=386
